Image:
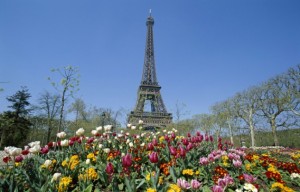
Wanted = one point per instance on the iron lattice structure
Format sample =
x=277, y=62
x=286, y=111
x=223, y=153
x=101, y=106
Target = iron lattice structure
x=149, y=90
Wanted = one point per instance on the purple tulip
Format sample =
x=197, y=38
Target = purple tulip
x=127, y=160
x=153, y=157
x=150, y=147
x=19, y=159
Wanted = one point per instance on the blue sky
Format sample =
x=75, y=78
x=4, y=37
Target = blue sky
x=205, y=50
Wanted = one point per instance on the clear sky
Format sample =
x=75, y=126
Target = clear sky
x=205, y=50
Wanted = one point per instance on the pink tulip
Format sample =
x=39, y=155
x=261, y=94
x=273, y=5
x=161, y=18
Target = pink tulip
x=109, y=168
x=217, y=188
x=153, y=157
x=204, y=161
x=189, y=134
x=173, y=135
x=45, y=150
x=182, y=152
x=237, y=163
x=195, y=184
x=183, y=184
x=154, y=142
x=249, y=178
x=127, y=160
x=172, y=150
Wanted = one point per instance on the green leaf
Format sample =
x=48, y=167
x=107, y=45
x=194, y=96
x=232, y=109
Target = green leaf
x=173, y=174
x=121, y=186
x=206, y=189
x=89, y=188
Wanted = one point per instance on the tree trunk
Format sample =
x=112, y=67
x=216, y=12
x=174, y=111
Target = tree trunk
x=230, y=132
x=252, y=134
x=273, y=126
x=2, y=137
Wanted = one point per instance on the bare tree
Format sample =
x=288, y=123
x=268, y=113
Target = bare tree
x=245, y=107
x=49, y=105
x=68, y=85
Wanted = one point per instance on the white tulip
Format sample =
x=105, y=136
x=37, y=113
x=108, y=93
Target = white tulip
x=80, y=132
x=99, y=128
x=133, y=127
x=35, y=149
x=106, y=150
x=88, y=161
x=94, y=132
x=100, y=146
x=143, y=144
x=128, y=125
x=130, y=144
x=107, y=127
x=47, y=163
x=32, y=144
x=141, y=121
x=64, y=143
x=13, y=151
x=61, y=135
x=55, y=176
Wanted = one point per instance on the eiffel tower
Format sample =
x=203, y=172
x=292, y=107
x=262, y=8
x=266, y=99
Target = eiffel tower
x=149, y=90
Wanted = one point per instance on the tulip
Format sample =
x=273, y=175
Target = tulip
x=80, y=132
x=184, y=141
x=109, y=169
x=47, y=163
x=141, y=121
x=153, y=157
x=173, y=135
x=25, y=152
x=189, y=134
x=19, y=159
x=99, y=128
x=94, y=132
x=204, y=161
x=154, y=142
x=13, y=151
x=6, y=159
x=64, y=143
x=249, y=178
x=237, y=163
x=133, y=127
x=32, y=144
x=106, y=150
x=55, y=176
x=217, y=188
x=44, y=150
x=183, y=184
x=35, y=149
x=107, y=128
x=150, y=147
x=195, y=184
x=182, y=152
x=127, y=161
x=172, y=150
x=61, y=135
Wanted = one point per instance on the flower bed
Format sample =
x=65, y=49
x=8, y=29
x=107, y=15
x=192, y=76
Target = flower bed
x=146, y=162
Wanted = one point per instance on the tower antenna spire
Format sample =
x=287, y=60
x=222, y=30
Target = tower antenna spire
x=150, y=12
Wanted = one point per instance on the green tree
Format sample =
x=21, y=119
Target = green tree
x=14, y=124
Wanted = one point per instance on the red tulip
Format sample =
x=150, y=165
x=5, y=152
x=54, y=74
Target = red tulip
x=189, y=134
x=173, y=135
x=109, y=168
x=25, y=152
x=153, y=157
x=6, y=159
x=184, y=141
x=127, y=160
